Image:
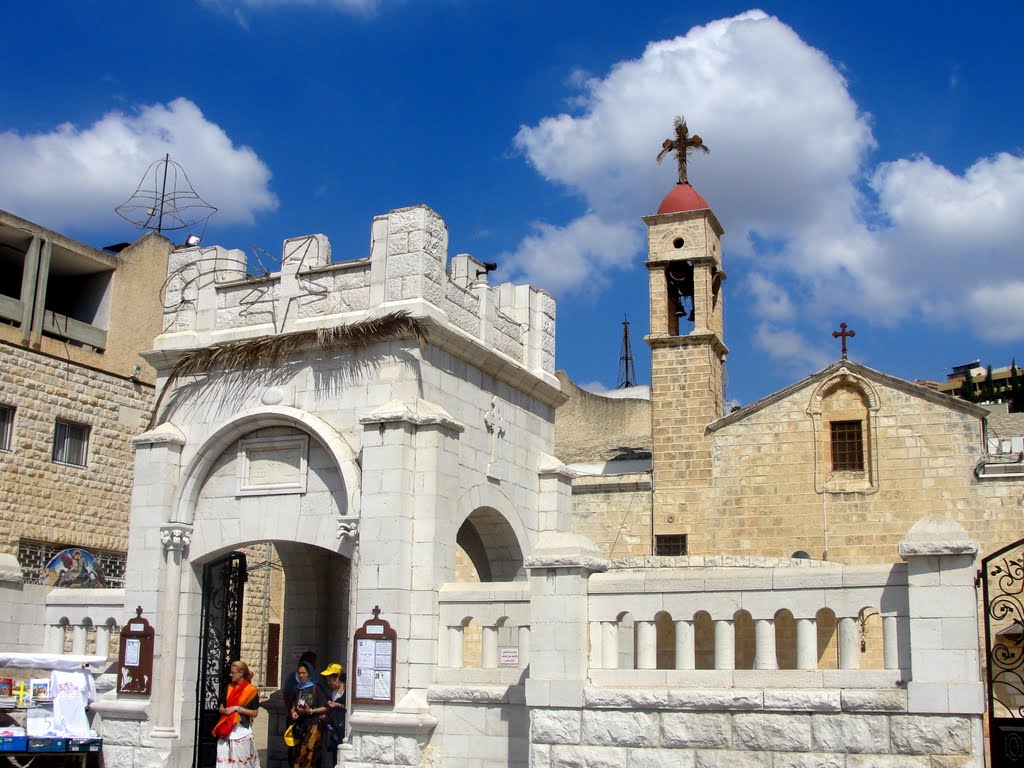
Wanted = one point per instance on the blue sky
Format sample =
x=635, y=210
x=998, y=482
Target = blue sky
x=866, y=159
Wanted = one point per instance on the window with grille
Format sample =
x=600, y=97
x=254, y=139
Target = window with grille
x=669, y=545
x=847, y=446
x=70, y=443
x=6, y=427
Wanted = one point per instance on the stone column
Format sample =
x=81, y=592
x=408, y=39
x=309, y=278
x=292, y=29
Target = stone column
x=686, y=648
x=455, y=646
x=524, y=646
x=806, y=644
x=609, y=645
x=647, y=645
x=489, y=648
x=849, y=643
x=103, y=641
x=175, y=539
x=764, y=644
x=79, y=639
x=890, y=641
x=942, y=604
x=725, y=644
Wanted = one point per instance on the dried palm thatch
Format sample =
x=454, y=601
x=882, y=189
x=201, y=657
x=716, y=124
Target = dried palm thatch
x=248, y=354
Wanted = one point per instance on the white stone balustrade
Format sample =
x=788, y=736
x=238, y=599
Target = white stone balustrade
x=684, y=615
x=87, y=616
x=501, y=611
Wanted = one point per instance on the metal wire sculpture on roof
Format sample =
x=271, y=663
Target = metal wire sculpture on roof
x=165, y=201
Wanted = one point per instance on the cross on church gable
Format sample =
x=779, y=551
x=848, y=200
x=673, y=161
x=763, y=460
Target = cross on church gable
x=844, y=335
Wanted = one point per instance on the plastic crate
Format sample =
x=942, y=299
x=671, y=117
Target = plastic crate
x=85, y=745
x=13, y=743
x=41, y=744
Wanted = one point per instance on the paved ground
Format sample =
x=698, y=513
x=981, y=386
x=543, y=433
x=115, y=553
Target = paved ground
x=259, y=732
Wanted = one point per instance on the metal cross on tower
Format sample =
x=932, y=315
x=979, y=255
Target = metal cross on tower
x=682, y=145
x=844, y=335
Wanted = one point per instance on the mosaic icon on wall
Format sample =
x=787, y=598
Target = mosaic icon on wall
x=74, y=568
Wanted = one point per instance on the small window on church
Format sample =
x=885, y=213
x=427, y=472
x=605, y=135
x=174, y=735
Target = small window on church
x=670, y=545
x=847, y=446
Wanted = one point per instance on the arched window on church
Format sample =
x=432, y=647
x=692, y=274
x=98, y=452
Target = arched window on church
x=843, y=409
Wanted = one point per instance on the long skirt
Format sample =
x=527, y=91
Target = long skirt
x=237, y=753
x=306, y=752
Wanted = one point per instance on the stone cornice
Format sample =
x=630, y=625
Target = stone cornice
x=419, y=413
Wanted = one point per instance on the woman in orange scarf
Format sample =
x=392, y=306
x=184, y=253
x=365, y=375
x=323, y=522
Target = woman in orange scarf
x=235, y=745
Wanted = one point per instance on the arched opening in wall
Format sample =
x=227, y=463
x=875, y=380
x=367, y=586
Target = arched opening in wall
x=828, y=639
x=627, y=641
x=870, y=642
x=743, y=627
x=267, y=579
x=272, y=605
x=666, y=639
x=704, y=640
x=785, y=639
x=487, y=549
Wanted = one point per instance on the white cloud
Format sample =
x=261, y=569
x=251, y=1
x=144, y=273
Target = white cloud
x=75, y=177
x=997, y=310
x=787, y=176
x=769, y=300
x=789, y=345
x=579, y=257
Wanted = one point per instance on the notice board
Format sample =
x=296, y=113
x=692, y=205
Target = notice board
x=373, y=662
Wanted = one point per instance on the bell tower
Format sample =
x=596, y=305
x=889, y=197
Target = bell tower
x=684, y=262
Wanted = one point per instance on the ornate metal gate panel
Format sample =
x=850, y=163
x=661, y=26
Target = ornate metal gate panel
x=1002, y=578
x=220, y=644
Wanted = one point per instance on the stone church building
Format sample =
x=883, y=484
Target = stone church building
x=790, y=584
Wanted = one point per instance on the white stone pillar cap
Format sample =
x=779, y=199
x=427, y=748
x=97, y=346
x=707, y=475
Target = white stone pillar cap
x=936, y=535
x=566, y=550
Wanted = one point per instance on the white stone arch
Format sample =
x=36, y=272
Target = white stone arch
x=843, y=377
x=487, y=505
x=206, y=455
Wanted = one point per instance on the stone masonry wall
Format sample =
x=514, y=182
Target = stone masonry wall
x=686, y=386
x=614, y=513
x=765, y=500
x=84, y=506
x=838, y=730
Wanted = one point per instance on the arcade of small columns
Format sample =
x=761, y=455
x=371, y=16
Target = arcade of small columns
x=605, y=644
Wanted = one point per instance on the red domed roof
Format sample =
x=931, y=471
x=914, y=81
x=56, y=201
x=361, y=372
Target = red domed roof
x=683, y=197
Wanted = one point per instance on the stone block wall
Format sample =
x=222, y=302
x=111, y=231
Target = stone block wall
x=686, y=387
x=854, y=729
x=767, y=497
x=44, y=501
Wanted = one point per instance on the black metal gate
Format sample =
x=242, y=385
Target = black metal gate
x=220, y=644
x=1002, y=578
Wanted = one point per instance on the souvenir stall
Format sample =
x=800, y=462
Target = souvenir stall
x=47, y=716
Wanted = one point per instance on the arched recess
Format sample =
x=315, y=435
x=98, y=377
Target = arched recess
x=491, y=546
x=846, y=402
x=208, y=453
x=491, y=536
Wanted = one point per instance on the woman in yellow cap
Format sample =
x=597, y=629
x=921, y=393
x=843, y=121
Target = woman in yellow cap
x=334, y=720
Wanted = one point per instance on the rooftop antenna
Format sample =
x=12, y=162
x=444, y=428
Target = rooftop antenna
x=165, y=201
x=627, y=370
